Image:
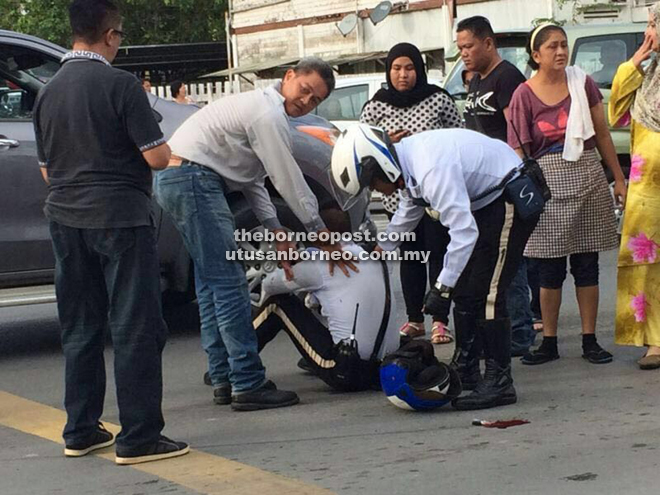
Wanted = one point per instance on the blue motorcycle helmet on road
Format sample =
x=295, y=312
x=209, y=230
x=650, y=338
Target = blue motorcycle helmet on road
x=413, y=378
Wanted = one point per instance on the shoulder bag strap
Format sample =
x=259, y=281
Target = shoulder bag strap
x=501, y=185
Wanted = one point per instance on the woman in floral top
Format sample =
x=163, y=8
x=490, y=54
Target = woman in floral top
x=636, y=94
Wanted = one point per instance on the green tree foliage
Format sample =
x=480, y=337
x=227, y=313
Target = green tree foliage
x=174, y=21
x=44, y=18
x=146, y=22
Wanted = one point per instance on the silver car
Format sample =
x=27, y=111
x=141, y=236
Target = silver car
x=26, y=258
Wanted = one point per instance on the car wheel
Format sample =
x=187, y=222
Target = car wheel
x=172, y=297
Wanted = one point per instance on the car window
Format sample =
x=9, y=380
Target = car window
x=517, y=55
x=22, y=74
x=455, y=82
x=344, y=103
x=600, y=58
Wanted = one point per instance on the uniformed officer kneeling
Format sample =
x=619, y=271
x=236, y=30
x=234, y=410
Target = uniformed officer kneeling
x=489, y=201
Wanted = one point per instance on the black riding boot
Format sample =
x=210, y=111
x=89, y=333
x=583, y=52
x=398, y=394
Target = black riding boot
x=468, y=349
x=496, y=389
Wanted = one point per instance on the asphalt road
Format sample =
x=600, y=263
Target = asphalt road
x=593, y=429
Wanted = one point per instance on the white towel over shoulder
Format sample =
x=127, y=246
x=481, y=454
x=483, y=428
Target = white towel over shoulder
x=579, y=127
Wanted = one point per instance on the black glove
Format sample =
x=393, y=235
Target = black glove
x=437, y=304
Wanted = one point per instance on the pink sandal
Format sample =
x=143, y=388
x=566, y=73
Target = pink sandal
x=440, y=335
x=412, y=330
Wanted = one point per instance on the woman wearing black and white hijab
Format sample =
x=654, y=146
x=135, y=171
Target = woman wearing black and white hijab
x=407, y=106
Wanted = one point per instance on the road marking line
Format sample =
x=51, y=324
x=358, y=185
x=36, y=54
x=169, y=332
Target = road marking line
x=199, y=471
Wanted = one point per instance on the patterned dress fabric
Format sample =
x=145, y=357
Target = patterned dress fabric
x=438, y=111
x=580, y=216
x=638, y=286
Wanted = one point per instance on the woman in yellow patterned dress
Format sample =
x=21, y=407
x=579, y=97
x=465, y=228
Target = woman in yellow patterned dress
x=636, y=94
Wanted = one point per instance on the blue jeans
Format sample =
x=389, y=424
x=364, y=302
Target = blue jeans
x=534, y=287
x=194, y=196
x=109, y=279
x=520, y=312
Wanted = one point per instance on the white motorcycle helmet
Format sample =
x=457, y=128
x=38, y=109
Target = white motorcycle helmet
x=359, y=153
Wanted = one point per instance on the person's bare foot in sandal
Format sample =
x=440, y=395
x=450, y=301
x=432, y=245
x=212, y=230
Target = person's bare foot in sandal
x=538, y=326
x=440, y=335
x=412, y=330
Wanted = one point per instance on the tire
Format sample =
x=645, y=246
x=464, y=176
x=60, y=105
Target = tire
x=172, y=297
x=177, y=276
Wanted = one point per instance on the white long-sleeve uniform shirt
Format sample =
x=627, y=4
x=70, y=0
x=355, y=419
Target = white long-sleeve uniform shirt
x=446, y=168
x=245, y=138
x=338, y=296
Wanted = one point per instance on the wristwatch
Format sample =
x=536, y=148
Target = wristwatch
x=445, y=291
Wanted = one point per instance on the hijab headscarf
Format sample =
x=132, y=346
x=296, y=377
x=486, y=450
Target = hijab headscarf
x=646, y=108
x=422, y=89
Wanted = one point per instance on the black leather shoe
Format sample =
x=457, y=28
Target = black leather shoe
x=265, y=397
x=222, y=394
x=496, y=389
x=468, y=348
x=207, y=379
x=470, y=378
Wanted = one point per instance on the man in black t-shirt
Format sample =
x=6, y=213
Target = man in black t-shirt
x=97, y=142
x=494, y=82
x=486, y=111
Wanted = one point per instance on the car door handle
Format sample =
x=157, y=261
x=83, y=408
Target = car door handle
x=9, y=143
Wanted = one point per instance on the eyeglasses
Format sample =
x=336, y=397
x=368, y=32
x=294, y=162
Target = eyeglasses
x=120, y=33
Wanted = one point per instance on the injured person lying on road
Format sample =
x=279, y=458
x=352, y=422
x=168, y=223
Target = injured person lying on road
x=346, y=351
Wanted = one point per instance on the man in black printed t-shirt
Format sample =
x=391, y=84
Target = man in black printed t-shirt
x=486, y=111
x=97, y=142
x=494, y=82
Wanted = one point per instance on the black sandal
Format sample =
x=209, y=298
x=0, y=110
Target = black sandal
x=539, y=356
